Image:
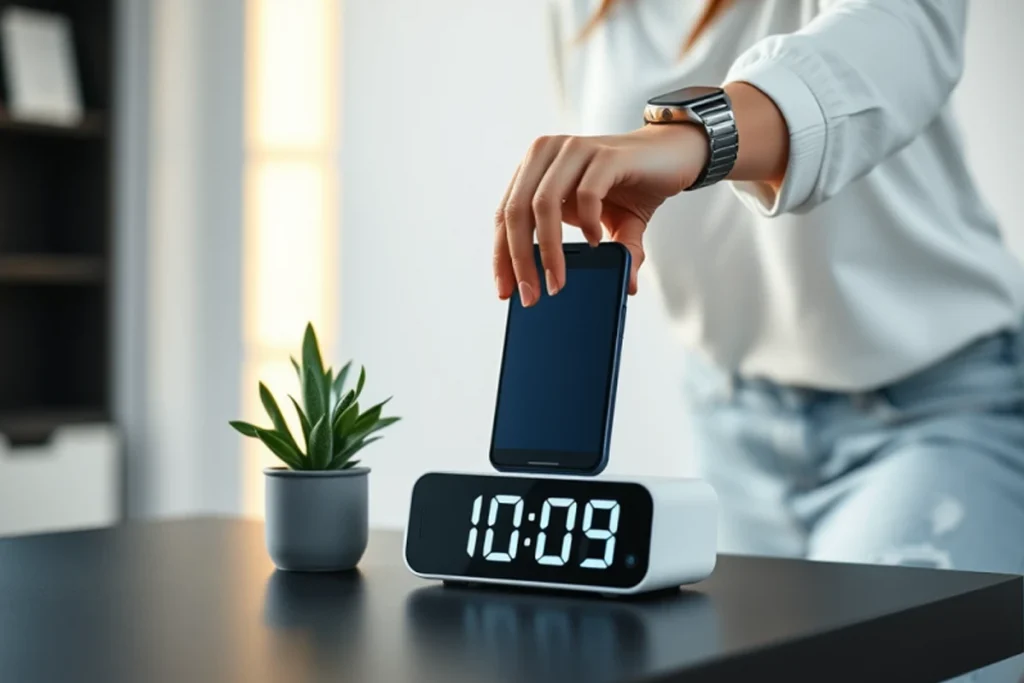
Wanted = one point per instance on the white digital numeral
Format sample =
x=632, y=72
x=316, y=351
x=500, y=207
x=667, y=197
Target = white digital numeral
x=474, y=519
x=492, y=517
x=545, y=518
x=606, y=535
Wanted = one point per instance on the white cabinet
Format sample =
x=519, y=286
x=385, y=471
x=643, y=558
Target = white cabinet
x=71, y=482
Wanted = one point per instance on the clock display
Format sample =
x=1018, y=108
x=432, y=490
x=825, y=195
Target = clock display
x=536, y=530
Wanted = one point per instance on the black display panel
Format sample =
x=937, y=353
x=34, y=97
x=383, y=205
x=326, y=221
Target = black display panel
x=583, y=532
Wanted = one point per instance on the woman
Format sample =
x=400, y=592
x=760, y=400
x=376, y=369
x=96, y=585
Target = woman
x=852, y=317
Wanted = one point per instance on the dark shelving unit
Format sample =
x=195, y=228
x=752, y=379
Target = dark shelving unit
x=55, y=246
x=93, y=126
x=52, y=269
x=27, y=426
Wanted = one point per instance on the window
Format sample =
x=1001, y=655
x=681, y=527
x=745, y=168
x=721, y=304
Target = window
x=290, y=217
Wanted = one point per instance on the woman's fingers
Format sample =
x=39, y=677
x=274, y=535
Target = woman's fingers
x=624, y=226
x=591, y=189
x=558, y=183
x=598, y=178
x=628, y=230
x=504, y=276
x=519, y=217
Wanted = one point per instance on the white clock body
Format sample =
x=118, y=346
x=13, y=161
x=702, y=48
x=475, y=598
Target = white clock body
x=683, y=538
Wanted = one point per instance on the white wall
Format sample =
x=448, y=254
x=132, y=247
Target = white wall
x=990, y=100
x=424, y=164
x=178, y=333
x=132, y=66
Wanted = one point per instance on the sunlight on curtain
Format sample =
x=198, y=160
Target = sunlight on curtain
x=290, y=202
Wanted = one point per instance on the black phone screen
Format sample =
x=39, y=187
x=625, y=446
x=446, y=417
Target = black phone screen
x=560, y=365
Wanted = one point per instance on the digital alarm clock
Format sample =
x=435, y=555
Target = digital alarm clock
x=562, y=532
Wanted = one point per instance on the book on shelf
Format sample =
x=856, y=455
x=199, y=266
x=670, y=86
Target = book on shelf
x=39, y=62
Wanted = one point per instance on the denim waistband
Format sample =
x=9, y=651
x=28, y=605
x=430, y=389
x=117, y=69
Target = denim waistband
x=988, y=370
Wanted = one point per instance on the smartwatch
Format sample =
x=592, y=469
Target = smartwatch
x=710, y=108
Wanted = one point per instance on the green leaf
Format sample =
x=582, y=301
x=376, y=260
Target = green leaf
x=270, y=405
x=303, y=420
x=298, y=370
x=320, y=444
x=245, y=428
x=328, y=382
x=339, y=460
x=339, y=381
x=370, y=417
x=361, y=433
x=362, y=381
x=347, y=420
x=350, y=464
x=342, y=406
x=379, y=425
x=354, y=448
x=313, y=396
x=311, y=359
x=281, y=448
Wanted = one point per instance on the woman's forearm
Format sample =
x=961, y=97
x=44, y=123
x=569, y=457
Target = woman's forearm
x=614, y=184
x=763, y=134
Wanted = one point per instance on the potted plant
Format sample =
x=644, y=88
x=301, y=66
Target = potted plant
x=316, y=506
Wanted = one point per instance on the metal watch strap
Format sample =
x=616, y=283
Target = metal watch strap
x=723, y=140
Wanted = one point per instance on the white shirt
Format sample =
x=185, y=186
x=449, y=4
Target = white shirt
x=878, y=257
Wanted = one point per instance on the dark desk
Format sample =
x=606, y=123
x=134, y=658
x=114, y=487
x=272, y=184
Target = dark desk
x=198, y=601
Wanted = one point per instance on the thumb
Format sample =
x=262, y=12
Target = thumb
x=628, y=230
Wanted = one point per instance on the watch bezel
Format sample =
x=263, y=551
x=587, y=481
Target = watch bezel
x=670, y=99
x=670, y=108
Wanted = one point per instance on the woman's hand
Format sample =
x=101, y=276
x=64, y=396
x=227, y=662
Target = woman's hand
x=617, y=181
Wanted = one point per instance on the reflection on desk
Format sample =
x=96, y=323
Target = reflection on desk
x=544, y=636
x=467, y=633
x=322, y=615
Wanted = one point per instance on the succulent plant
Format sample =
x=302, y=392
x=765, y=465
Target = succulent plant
x=333, y=428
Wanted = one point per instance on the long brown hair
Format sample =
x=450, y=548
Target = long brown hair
x=712, y=10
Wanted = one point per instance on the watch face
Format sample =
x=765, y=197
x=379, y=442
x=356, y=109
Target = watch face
x=685, y=96
x=534, y=530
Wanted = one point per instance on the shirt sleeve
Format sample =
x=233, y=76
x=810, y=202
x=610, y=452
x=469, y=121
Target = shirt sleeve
x=855, y=85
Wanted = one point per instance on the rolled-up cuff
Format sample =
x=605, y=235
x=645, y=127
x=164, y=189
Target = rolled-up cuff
x=806, y=123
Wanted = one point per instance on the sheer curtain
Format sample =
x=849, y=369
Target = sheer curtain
x=290, y=215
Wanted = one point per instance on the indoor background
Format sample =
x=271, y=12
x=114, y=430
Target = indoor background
x=278, y=161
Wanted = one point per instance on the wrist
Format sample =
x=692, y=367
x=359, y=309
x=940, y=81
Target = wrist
x=684, y=148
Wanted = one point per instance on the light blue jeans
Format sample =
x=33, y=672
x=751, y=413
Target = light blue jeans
x=928, y=471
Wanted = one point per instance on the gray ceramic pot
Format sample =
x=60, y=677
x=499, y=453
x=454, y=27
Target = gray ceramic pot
x=316, y=521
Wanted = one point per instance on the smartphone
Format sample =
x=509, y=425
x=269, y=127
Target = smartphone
x=560, y=368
